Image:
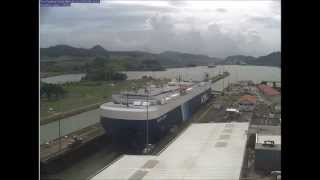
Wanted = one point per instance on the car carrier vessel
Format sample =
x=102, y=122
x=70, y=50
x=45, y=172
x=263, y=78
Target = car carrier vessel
x=138, y=118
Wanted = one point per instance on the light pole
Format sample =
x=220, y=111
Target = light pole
x=147, y=125
x=59, y=135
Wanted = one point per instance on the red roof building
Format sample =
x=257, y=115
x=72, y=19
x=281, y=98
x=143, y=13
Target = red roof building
x=268, y=90
x=247, y=99
x=247, y=103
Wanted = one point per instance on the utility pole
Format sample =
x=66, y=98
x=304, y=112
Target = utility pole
x=236, y=75
x=127, y=100
x=59, y=135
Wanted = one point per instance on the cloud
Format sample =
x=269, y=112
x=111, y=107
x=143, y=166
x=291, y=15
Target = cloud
x=161, y=22
x=249, y=27
x=178, y=2
x=276, y=7
x=221, y=10
x=268, y=22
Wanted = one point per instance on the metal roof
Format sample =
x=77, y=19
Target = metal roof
x=232, y=110
x=204, y=151
x=248, y=98
x=268, y=90
x=260, y=138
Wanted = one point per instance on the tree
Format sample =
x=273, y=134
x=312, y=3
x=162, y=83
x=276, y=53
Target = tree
x=150, y=65
x=86, y=68
x=52, y=90
x=102, y=70
x=99, y=62
x=96, y=75
x=119, y=76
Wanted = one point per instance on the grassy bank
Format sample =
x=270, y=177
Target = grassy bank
x=82, y=96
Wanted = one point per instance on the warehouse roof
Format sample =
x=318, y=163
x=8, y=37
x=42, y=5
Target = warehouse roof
x=268, y=90
x=268, y=142
x=260, y=138
x=203, y=151
x=248, y=98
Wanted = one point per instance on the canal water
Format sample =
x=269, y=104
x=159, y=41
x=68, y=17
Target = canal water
x=237, y=73
x=63, y=78
x=255, y=73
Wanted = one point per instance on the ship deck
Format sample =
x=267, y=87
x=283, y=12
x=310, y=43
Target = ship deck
x=121, y=111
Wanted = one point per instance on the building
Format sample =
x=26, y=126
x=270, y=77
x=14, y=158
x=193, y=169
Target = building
x=246, y=83
x=268, y=90
x=270, y=93
x=268, y=152
x=203, y=151
x=247, y=103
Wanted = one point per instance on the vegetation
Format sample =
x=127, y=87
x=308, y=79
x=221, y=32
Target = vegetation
x=85, y=93
x=67, y=59
x=65, y=50
x=102, y=70
x=63, y=58
x=272, y=59
x=52, y=91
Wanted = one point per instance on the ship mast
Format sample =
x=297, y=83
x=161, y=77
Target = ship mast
x=147, y=128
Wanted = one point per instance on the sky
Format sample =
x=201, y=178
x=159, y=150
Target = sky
x=217, y=28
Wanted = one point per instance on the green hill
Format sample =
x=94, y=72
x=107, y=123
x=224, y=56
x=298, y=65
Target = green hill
x=272, y=59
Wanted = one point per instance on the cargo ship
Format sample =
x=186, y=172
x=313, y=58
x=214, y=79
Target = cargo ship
x=138, y=118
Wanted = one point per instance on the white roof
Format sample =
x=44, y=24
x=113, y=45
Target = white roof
x=124, y=168
x=232, y=110
x=260, y=138
x=204, y=151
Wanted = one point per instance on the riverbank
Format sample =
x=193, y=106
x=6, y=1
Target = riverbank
x=50, y=74
x=83, y=96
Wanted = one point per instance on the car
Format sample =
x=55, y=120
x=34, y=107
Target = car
x=148, y=148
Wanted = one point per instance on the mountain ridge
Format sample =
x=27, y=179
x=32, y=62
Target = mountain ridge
x=271, y=59
x=166, y=58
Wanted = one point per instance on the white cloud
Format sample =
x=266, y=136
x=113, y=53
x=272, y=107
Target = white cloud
x=215, y=28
